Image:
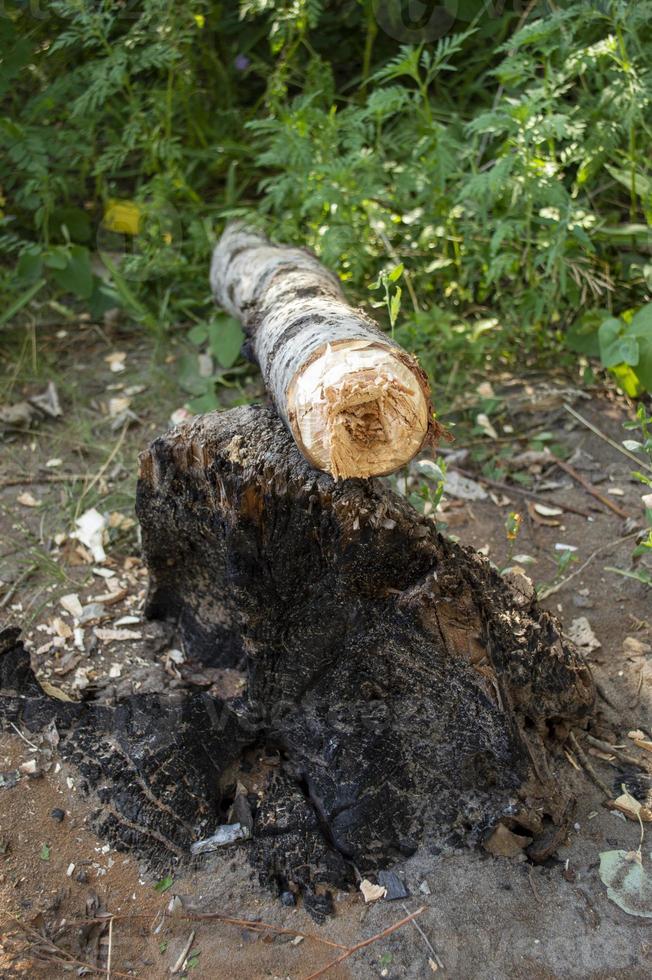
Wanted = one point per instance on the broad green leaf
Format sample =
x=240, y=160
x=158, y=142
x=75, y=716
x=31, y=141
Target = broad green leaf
x=30, y=265
x=641, y=323
x=582, y=336
x=642, y=183
x=628, y=883
x=641, y=328
x=198, y=334
x=207, y=402
x=76, y=221
x=225, y=337
x=396, y=272
x=102, y=298
x=189, y=377
x=77, y=276
x=56, y=258
x=617, y=346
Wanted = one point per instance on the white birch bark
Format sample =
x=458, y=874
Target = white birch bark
x=355, y=402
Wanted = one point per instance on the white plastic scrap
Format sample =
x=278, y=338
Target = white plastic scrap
x=227, y=833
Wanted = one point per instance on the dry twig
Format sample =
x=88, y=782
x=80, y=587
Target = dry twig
x=512, y=488
x=611, y=442
x=183, y=954
x=551, y=589
x=25, y=740
x=598, y=743
x=431, y=949
x=56, y=954
x=590, y=771
x=366, y=942
x=18, y=481
x=589, y=487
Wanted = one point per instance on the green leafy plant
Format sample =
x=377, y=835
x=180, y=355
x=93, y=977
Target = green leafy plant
x=503, y=166
x=643, y=447
x=623, y=344
x=388, y=281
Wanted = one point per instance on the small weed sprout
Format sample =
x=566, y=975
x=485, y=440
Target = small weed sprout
x=393, y=293
x=512, y=529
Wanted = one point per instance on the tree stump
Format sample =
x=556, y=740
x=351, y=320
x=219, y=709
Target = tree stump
x=410, y=694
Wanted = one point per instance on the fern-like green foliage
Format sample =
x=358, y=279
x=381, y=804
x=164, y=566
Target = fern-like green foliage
x=505, y=164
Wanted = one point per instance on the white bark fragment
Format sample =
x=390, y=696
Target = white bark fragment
x=356, y=403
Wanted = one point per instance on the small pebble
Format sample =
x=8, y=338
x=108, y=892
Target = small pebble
x=81, y=877
x=288, y=899
x=57, y=815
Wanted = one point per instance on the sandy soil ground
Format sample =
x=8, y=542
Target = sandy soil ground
x=483, y=917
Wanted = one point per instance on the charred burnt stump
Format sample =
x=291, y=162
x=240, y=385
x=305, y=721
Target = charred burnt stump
x=410, y=694
x=409, y=690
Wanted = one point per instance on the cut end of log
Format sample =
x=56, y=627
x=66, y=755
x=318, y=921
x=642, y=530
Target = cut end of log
x=359, y=410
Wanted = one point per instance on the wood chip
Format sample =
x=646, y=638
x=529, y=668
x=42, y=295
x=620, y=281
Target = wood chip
x=631, y=807
x=110, y=598
x=71, y=604
x=109, y=635
x=372, y=892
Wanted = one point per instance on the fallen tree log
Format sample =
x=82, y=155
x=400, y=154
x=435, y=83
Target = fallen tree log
x=355, y=402
x=406, y=693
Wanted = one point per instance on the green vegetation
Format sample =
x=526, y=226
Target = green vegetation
x=498, y=160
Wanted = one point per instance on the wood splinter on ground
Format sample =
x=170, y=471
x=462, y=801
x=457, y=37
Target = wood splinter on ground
x=356, y=404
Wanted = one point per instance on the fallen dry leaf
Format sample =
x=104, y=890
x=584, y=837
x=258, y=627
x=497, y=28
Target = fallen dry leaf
x=116, y=361
x=28, y=500
x=54, y=692
x=540, y=518
x=482, y=420
x=633, y=647
x=456, y=485
x=545, y=511
x=505, y=843
x=118, y=405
